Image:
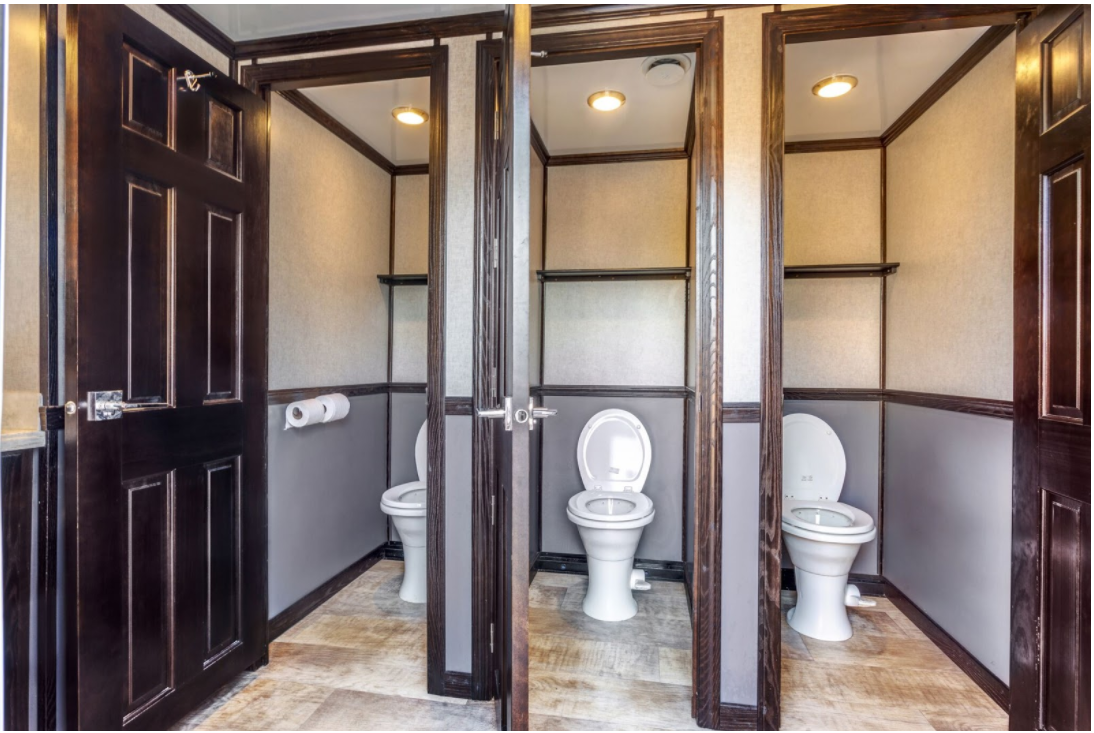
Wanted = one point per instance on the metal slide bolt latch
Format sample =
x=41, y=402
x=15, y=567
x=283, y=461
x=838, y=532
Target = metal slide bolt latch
x=107, y=405
x=505, y=412
x=538, y=413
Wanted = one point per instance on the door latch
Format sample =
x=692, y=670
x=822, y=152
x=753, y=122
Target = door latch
x=538, y=413
x=505, y=412
x=107, y=405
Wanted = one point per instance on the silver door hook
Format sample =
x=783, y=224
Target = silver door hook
x=191, y=80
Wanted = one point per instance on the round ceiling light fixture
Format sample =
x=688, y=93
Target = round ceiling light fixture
x=409, y=115
x=607, y=100
x=835, y=86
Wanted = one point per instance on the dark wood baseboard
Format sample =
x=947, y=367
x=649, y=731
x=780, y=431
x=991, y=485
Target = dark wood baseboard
x=995, y=688
x=868, y=585
x=458, y=684
x=285, y=620
x=737, y=717
x=562, y=562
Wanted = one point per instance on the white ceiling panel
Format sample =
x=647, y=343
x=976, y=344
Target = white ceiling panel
x=251, y=22
x=366, y=110
x=653, y=118
x=893, y=72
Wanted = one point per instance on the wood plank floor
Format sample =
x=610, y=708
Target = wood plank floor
x=888, y=676
x=358, y=662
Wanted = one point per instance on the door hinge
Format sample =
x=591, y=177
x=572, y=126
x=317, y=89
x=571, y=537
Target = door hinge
x=491, y=638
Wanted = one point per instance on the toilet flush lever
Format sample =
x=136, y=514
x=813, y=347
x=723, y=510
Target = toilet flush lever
x=505, y=412
x=538, y=413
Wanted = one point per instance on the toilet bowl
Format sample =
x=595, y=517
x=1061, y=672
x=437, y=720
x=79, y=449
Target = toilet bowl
x=406, y=504
x=822, y=535
x=613, y=457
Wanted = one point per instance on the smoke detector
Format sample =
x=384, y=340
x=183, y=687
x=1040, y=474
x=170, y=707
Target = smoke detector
x=664, y=71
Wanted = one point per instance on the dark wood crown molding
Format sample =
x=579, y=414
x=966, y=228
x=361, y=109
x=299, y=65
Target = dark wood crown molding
x=968, y=60
x=202, y=28
x=833, y=146
x=623, y=156
x=411, y=169
x=336, y=128
x=835, y=22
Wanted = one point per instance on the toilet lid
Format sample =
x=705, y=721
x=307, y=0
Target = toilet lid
x=421, y=453
x=613, y=452
x=814, y=464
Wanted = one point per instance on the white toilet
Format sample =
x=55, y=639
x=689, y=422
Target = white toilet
x=613, y=456
x=405, y=504
x=822, y=535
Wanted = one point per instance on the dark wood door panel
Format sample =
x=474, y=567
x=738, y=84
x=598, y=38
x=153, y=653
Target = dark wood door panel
x=161, y=440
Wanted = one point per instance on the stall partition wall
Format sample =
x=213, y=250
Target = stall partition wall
x=886, y=361
x=611, y=342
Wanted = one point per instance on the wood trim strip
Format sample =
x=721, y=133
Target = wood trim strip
x=974, y=55
x=802, y=272
x=285, y=396
x=624, y=156
x=832, y=146
x=408, y=387
x=336, y=128
x=411, y=169
x=645, y=273
x=292, y=615
x=17, y=490
x=738, y=717
x=458, y=406
x=196, y=23
x=834, y=22
x=968, y=405
x=540, y=148
x=422, y=279
x=458, y=684
x=604, y=390
x=825, y=393
x=740, y=412
x=995, y=688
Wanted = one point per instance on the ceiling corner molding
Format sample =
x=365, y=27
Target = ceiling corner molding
x=317, y=113
x=968, y=60
x=411, y=169
x=546, y=16
x=540, y=147
x=623, y=156
x=833, y=146
x=202, y=28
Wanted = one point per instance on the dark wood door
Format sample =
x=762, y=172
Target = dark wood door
x=512, y=221
x=166, y=296
x=1050, y=645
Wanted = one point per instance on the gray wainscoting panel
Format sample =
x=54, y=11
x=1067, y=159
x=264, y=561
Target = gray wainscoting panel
x=664, y=420
x=325, y=484
x=407, y=416
x=858, y=426
x=457, y=540
x=948, y=523
x=740, y=560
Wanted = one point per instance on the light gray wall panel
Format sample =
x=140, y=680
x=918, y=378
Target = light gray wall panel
x=664, y=421
x=325, y=484
x=407, y=416
x=409, y=356
x=740, y=560
x=857, y=425
x=614, y=332
x=947, y=523
x=457, y=539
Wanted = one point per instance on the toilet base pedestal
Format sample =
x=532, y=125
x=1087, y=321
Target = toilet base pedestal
x=609, y=597
x=413, y=589
x=821, y=612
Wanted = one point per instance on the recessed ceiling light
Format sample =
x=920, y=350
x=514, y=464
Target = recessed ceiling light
x=409, y=115
x=607, y=101
x=835, y=86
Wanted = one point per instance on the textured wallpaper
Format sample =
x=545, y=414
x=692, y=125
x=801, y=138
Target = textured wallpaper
x=832, y=333
x=615, y=332
x=329, y=238
x=409, y=344
x=617, y=215
x=832, y=207
x=411, y=224
x=950, y=218
x=21, y=253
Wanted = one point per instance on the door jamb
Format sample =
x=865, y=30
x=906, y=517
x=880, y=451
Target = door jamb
x=432, y=62
x=705, y=37
x=780, y=28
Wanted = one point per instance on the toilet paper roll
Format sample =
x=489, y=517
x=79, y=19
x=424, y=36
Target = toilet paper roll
x=337, y=406
x=304, y=413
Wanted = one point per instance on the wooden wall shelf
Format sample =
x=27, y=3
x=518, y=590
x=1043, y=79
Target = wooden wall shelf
x=878, y=269
x=650, y=273
x=403, y=279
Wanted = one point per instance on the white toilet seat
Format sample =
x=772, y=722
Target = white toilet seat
x=405, y=500
x=827, y=521
x=610, y=509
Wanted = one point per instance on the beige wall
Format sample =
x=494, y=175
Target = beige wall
x=950, y=197
x=617, y=215
x=832, y=333
x=329, y=238
x=21, y=231
x=832, y=207
x=411, y=224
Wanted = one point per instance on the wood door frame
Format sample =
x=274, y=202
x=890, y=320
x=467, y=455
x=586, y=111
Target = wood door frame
x=432, y=62
x=705, y=37
x=801, y=26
